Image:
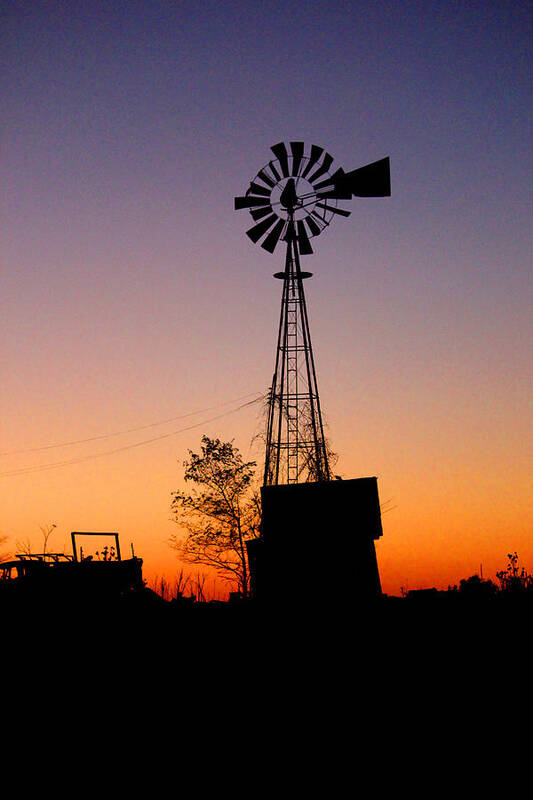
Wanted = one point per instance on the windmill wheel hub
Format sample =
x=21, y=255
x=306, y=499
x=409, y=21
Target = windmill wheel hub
x=286, y=198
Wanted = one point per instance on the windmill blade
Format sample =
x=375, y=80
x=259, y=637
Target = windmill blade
x=251, y=202
x=280, y=151
x=297, y=149
x=304, y=245
x=275, y=173
x=273, y=237
x=266, y=178
x=258, y=230
x=259, y=213
x=316, y=152
x=313, y=227
x=255, y=188
x=370, y=181
x=326, y=164
x=333, y=210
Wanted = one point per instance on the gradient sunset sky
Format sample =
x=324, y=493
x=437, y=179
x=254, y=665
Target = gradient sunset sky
x=131, y=295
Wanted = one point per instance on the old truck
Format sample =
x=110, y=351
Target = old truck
x=62, y=576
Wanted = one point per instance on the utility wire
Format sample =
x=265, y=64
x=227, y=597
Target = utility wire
x=129, y=430
x=80, y=459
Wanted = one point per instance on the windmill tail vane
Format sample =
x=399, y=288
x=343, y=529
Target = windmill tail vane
x=293, y=198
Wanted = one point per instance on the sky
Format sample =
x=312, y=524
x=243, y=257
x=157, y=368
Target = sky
x=131, y=296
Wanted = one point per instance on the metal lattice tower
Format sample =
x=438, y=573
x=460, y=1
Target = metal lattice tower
x=295, y=443
x=293, y=198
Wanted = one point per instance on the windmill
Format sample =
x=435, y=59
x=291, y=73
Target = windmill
x=293, y=199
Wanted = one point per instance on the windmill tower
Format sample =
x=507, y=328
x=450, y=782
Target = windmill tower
x=293, y=199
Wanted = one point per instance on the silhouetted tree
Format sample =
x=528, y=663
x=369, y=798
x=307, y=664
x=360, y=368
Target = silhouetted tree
x=219, y=513
x=514, y=578
x=476, y=588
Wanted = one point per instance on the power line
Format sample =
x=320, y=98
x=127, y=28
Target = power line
x=129, y=430
x=81, y=459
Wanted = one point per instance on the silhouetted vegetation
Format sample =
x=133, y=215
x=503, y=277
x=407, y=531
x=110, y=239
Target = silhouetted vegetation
x=220, y=512
x=515, y=590
x=26, y=547
x=4, y=555
x=514, y=579
x=477, y=587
